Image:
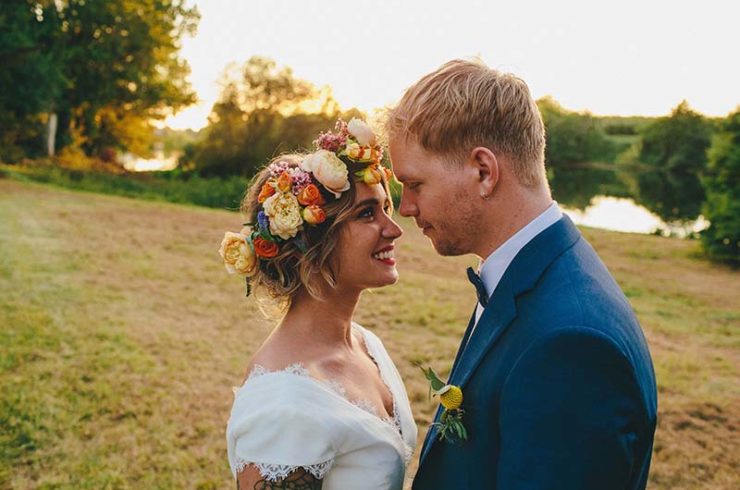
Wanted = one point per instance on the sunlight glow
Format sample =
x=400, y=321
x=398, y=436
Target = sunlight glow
x=609, y=60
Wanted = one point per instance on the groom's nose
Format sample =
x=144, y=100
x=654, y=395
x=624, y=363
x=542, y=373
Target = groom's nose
x=407, y=207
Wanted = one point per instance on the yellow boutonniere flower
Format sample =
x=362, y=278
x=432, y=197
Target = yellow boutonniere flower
x=450, y=426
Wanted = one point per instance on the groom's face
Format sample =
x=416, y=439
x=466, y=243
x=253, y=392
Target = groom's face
x=435, y=195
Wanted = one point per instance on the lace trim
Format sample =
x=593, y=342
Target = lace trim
x=275, y=472
x=395, y=421
x=298, y=369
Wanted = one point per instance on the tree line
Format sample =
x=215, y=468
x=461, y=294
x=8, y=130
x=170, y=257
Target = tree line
x=86, y=78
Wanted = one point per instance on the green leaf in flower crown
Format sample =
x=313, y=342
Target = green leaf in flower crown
x=301, y=244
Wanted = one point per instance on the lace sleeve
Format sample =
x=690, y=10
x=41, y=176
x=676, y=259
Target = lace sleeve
x=276, y=472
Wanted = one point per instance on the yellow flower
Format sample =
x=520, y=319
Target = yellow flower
x=362, y=154
x=284, y=213
x=238, y=255
x=451, y=397
x=370, y=175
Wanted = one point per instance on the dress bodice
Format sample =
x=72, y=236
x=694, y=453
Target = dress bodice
x=286, y=419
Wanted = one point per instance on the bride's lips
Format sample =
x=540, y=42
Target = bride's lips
x=385, y=255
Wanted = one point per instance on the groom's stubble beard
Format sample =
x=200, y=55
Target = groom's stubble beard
x=456, y=230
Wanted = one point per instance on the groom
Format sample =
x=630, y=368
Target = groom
x=558, y=384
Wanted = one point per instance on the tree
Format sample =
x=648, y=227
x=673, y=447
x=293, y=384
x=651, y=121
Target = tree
x=263, y=110
x=674, y=148
x=722, y=185
x=578, y=155
x=573, y=138
x=31, y=76
x=106, y=68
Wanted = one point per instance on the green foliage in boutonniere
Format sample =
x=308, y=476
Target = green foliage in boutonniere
x=450, y=427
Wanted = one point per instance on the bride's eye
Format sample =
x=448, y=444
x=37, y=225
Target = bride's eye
x=366, y=213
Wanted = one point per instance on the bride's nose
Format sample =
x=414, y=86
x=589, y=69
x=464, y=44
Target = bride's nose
x=392, y=229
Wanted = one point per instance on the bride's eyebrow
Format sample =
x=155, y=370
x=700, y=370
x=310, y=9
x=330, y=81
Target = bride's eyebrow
x=370, y=201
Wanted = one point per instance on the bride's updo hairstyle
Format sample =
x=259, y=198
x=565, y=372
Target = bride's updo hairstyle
x=294, y=209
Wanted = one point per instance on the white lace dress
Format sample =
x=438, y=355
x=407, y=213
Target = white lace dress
x=284, y=420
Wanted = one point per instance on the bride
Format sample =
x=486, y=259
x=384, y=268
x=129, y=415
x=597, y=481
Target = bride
x=323, y=405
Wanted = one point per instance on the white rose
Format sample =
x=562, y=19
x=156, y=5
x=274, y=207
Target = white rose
x=329, y=170
x=362, y=132
x=284, y=212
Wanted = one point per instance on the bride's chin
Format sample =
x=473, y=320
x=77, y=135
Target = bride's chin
x=392, y=279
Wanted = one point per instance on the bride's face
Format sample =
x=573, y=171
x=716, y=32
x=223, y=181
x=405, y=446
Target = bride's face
x=365, y=250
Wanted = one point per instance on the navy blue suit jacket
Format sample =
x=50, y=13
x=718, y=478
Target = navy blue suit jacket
x=559, y=388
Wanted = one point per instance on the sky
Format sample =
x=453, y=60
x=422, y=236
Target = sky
x=610, y=58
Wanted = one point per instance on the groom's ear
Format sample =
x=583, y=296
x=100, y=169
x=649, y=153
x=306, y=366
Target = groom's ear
x=487, y=167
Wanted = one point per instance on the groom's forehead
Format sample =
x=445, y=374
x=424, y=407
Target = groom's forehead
x=406, y=160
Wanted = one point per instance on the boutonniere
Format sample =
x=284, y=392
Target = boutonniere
x=450, y=427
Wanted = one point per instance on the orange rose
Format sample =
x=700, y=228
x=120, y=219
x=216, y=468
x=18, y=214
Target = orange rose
x=284, y=182
x=265, y=248
x=313, y=215
x=310, y=195
x=266, y=191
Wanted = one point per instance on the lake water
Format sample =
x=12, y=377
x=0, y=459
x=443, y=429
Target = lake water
x=621, y=214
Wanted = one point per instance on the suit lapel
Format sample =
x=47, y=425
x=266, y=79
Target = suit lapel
x=498, y=314
x=521, y=276
x=432, y=432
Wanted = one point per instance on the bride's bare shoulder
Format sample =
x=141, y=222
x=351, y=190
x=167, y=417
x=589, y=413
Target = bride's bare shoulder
x=277, y=354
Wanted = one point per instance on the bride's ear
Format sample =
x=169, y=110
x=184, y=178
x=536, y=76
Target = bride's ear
x=486, y=166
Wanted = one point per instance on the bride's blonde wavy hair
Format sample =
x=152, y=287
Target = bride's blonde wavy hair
x=283, y=276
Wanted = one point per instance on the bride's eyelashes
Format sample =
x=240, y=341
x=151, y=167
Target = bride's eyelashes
x=369, y=212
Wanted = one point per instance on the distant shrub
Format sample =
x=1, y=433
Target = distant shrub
x=174, y=186
x=722, y=186
x=620, y=129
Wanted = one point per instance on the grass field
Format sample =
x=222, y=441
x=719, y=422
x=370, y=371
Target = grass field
x=121, y=337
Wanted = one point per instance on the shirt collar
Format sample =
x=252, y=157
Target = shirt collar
x=493, y=267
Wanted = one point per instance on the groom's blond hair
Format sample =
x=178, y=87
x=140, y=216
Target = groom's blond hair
x=465, y=104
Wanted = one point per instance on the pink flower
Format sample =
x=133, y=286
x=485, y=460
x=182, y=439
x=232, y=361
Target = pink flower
x=330, y=141
x=301, y=179
x=278, y=168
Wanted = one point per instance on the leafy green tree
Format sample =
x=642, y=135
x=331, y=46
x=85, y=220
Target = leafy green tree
x=579, y=156
x=105, y=68
x=722, y=185
x=121, y=59
x=674, y=149
x=31, y=76
x=263, y=110
x=573, y=138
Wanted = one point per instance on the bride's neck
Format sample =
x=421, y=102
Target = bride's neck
x=327, y=320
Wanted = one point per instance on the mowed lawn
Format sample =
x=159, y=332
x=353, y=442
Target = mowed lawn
x=121, y=337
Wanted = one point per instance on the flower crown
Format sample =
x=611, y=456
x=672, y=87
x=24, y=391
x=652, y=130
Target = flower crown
x=293, y=197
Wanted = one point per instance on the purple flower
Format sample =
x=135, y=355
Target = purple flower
x=262, y=221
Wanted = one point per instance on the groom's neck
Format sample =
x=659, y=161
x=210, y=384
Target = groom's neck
x=506, y=212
